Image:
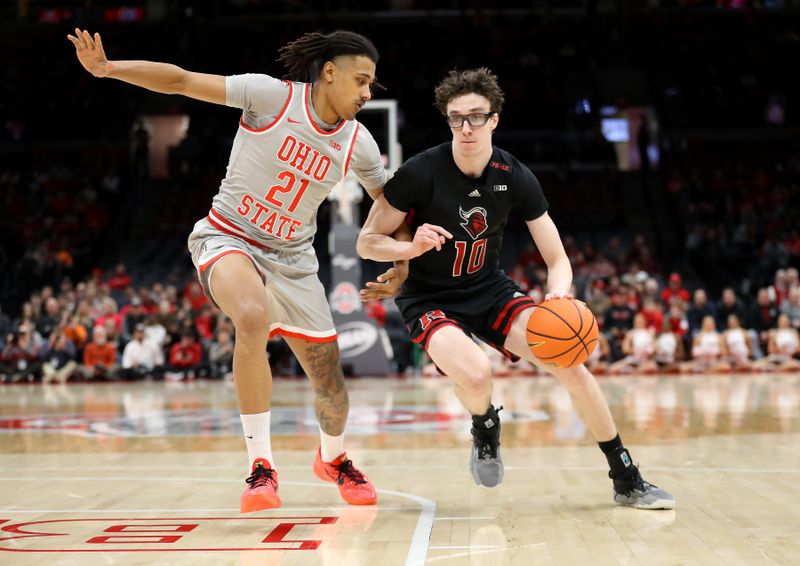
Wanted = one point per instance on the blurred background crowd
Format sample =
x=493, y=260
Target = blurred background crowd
x=665, y=135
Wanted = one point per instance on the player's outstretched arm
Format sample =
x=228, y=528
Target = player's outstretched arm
x=158, y=77
x=374, y=241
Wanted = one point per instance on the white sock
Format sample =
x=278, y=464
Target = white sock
x=256, y=435
x=331, y=447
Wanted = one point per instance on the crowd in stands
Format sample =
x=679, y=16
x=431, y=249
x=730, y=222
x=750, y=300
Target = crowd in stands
x=738, y=210
x=107, y=329
x=60, y=209
x=649, y=324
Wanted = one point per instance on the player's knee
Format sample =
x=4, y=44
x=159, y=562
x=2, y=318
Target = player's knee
x=575, y=379
x=477, y=373
x=252, y=321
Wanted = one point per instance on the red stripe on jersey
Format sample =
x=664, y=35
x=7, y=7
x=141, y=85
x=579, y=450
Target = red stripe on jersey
x=277, y=118
x=311, y=119
x=350, y=151
x=508, y=306
x=316, y=339
x=224, y=230
x=219, y=218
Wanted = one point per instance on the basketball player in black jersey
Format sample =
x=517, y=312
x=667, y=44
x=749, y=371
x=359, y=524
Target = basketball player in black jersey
x=457, y=197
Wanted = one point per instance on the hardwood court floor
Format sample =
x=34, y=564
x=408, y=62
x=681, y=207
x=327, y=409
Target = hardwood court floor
x=150, y=473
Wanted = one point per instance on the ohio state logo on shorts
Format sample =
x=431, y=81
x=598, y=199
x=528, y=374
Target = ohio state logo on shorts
x=426, y=319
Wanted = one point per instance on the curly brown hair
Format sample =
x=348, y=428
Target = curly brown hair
x=480, y=81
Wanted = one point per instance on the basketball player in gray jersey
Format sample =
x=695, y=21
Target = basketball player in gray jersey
x=253, y=251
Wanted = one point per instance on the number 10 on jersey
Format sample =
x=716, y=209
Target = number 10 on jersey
x=477, y=255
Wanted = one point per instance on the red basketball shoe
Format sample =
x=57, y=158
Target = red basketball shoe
x=262, y=488
x=354, y=487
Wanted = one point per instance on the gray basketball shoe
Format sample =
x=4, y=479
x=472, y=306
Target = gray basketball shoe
x=485, y=462
x=633, y=491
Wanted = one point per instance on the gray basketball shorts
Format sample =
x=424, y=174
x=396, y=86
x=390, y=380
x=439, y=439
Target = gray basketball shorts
x=298, y=306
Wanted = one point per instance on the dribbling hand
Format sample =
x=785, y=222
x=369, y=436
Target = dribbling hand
x=558, y=295
x=90, y=53
x=428, y=237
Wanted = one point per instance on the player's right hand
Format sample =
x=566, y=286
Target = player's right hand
x=90, y=53
x=428, y=237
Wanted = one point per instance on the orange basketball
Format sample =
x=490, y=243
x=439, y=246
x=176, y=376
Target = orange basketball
x=562, y=333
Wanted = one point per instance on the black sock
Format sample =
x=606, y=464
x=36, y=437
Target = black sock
x=619, y=459
x=487, y=422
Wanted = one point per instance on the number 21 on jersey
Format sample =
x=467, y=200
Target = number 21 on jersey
x=477, y=255
x=288, y=179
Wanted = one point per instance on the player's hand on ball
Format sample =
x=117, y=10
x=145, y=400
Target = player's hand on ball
x=558, y=295
x=90, y=53
x=428, y=237
x=388, y=285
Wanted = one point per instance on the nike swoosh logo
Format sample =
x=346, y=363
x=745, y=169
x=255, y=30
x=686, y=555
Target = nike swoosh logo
x=250, y=437
x=293, y=121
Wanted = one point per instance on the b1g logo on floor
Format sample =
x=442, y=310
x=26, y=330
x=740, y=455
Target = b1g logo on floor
x=217, y=534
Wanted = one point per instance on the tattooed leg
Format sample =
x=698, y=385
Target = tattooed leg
x=320, y=361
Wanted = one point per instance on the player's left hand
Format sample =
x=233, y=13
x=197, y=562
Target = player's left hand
x=387, y=285
x=90, y=53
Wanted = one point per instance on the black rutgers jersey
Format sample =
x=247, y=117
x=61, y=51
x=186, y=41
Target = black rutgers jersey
x=432, y=189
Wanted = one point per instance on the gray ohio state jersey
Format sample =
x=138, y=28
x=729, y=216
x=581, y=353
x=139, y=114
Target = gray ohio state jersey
x=284, y=162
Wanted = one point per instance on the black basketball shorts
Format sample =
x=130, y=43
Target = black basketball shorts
x=485, y=310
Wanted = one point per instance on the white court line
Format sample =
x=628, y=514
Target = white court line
x=189, y=509
x=422, y=533
x=472, y=518
x=460, y=554
x=418, y=547
x=672, y=469
x=464, y=546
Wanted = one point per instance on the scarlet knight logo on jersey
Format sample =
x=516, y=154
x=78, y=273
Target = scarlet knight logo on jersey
x=474, y=221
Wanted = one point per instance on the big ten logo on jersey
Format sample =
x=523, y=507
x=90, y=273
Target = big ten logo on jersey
x=426, y=319
x=282, y=198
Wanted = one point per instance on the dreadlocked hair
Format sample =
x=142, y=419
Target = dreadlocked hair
x=305, y=56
